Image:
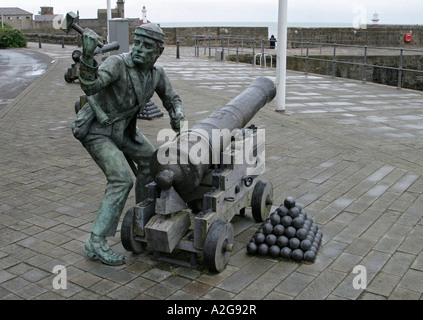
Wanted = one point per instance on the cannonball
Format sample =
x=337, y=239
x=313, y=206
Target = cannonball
x=290, y=232
x=282, y=211
x=286, y=221
x=307, y=224
x=301, y=233
x=294, y=243
x=305, y=245
x=271, y=239
x=164, y=179
x=316, y=243
x=300, y=208
x=267, y=228
x=263, y=249
x=294, y=212
x=260, y=229
x=309, y=256
x=310, y=238
x=282, y=241
x=289, y=202
x=298, y=222
x=259, y=238
x=251, y=248
x=286, y=252
x=274, y=251
x=278, y=230
x=297, y=255
x=275, y=219
x=313, y=228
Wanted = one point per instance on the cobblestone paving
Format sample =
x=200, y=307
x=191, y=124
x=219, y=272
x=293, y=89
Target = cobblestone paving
x=350, y=153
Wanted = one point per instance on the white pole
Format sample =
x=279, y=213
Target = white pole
x=109, y=17
x=281, y=58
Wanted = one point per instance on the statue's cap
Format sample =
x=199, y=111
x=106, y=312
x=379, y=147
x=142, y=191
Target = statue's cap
x=150, y=30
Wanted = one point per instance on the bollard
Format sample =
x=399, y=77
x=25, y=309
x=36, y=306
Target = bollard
x=254, y=52
x=63, y=41
x=177, y=49
x=237, y=51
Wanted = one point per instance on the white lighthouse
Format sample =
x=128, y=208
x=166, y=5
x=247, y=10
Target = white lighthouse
x=144, y=16
x=375, y=19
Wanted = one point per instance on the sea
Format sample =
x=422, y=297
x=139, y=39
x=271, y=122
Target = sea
x=272, y=26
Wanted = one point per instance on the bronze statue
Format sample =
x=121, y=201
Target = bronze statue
x=106, y=125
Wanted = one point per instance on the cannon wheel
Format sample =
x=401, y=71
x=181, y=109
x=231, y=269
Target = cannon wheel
x=127, y=234
x=218, y=245
x=262, y=200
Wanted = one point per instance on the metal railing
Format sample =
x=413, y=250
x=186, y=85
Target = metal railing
x=332, y=49
x=308, y=51
x=233, y=44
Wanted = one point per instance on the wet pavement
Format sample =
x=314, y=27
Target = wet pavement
x=350, y=153
x=18, y=69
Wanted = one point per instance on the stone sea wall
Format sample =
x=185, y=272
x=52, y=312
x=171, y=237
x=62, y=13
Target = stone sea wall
x=379, y=36
x=185, y=36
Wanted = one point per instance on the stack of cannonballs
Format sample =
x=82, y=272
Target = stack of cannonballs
x=150, y=112
x=288, y=233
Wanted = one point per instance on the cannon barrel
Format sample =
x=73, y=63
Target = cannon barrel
x=185, y=177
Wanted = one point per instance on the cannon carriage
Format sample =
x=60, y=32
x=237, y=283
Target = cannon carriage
x=190, y=203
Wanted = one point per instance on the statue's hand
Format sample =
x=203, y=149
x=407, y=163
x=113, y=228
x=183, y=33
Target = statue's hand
x=89, y=44
x=176, y=119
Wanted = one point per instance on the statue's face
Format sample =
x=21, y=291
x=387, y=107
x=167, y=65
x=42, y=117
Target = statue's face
x=145, y=52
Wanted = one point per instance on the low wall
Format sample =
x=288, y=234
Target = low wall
x=410, y=80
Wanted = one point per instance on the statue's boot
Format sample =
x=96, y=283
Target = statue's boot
x=97, y=247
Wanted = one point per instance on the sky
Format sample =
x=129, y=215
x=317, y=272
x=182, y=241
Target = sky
x=320, y=11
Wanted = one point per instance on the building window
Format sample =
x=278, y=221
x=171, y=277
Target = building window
x=19, y=18
x=10, y=18
x=27, y=18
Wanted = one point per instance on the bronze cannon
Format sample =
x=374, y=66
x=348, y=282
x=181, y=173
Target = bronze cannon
x=194, y=196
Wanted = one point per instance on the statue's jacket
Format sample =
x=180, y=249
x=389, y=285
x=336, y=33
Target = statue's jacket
x=119, y=90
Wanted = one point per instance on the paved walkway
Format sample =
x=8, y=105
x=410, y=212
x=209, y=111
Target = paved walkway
x=350, y=153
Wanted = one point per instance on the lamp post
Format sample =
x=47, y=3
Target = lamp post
x=109, y=17
x=281, y=58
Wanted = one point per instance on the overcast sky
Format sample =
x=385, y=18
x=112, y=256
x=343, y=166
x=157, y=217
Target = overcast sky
x=341, y=11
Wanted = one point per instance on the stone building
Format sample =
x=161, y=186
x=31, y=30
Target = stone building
x=16, y=18
x=46, y=15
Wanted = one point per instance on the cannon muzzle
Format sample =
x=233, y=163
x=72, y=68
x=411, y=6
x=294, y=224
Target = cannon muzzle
x=186, y=176
x=107, y=48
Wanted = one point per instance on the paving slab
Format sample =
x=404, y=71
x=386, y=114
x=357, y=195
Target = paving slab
x=349, y=152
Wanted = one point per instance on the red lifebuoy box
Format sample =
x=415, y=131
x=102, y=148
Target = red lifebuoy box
x=408, y=37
